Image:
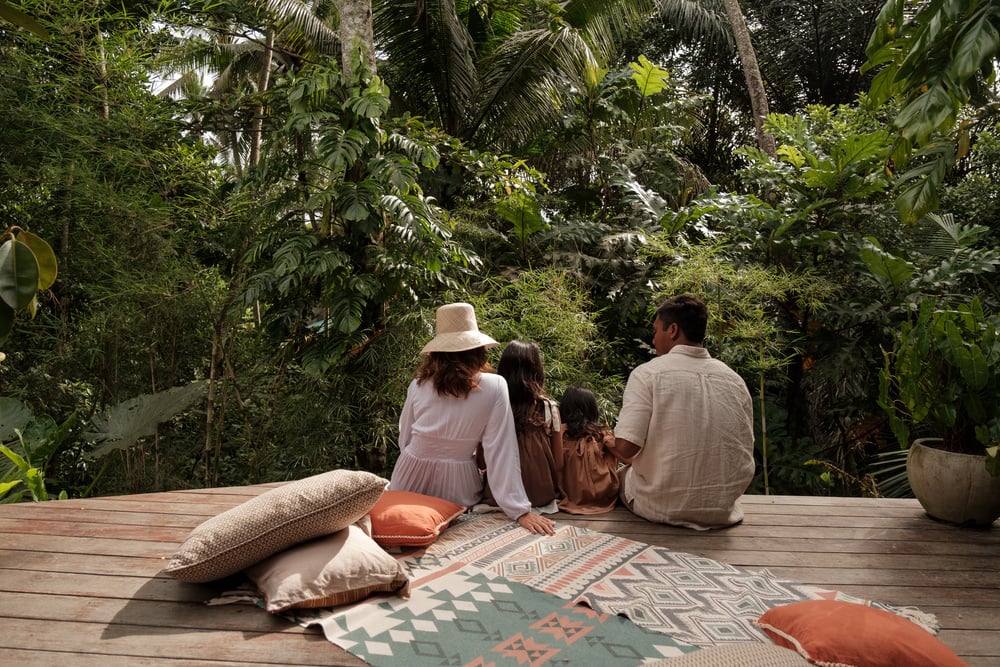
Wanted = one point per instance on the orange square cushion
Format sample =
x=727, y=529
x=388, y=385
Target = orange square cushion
x=846, y=634
x=405, y=518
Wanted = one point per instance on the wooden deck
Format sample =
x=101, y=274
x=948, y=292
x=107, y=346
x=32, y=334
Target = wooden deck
x=81, y=581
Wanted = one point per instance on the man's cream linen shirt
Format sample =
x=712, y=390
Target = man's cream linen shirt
x=692, y=417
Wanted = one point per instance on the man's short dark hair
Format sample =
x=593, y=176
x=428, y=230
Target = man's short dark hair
x=688, y=312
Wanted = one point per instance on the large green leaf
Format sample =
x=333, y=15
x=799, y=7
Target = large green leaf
x=650, y=78
x=48, y=267
x=20, y=18
x=889, y=270
x=6, y=320
x=35, y=480
x=18, y=274
x=14, y=415
x=15, y=458
x=932, y=109
x=975, y=45
x=5, y=487
x=524, y=213
x=123, y=425
x=356, y=201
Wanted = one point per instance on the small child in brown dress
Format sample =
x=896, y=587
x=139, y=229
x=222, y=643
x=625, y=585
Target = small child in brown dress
x=589, y=478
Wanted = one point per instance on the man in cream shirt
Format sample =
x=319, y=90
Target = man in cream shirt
x=685, y=427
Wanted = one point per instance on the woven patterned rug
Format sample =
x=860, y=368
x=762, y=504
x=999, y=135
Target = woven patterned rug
x=693, y=599
x=457, y=615
x=489, y=593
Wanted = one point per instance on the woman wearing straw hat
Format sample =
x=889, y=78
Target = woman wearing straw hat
x=451, y=407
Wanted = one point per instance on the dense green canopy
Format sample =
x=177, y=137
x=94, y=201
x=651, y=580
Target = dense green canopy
x=253, y=214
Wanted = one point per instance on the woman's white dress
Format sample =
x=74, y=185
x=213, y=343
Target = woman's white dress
x=438, y=437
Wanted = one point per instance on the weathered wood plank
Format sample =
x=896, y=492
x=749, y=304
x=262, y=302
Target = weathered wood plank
x=76, y=659
x=55, y=561
x=116, y=530
x=88, y=545
x=194, y=614
x=294, y=647
x=159, y=588
x=97, y=564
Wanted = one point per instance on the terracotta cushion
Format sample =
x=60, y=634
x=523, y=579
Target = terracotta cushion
x=405, y=518
x=846, y=634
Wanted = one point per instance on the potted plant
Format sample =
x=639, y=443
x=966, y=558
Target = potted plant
x=940, y=386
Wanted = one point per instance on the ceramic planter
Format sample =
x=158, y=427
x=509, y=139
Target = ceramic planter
x=953, y=487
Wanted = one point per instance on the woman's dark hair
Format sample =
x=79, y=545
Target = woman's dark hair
x=521, y=365
x=454, y=373
x=578, y=410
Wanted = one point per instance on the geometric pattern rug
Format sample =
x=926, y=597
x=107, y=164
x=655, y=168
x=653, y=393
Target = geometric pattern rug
x=456, y=615
x=693, y=599
x=490, y=593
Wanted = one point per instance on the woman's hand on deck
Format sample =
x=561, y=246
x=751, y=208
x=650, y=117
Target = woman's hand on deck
x=536, y=523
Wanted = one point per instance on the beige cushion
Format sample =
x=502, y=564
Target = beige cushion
x=327, y=572
x=273, y=521
x=742, y=654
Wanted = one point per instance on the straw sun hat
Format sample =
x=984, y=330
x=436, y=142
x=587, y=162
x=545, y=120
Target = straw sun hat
x=456, y=330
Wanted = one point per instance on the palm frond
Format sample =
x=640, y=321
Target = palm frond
x=697, y=20
x=526, y=81
x=302, y=29
x=604, y=25
x=940, y=235
x=187, y=85
x=433, y=57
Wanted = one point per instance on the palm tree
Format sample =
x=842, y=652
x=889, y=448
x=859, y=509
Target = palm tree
x=496, y=77
x=239, y=52
x=751, y=72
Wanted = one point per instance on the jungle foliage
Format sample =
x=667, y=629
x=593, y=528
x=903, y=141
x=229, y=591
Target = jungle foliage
x=251, y=243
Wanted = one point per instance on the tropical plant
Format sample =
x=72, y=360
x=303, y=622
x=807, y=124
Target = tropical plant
x=29, y=442
x=752, y=330
x=937, y=259
x=811, y=51
x=941, y=379
x=27, y=266
x=346, y=227
x=240, y=49
x=552, y=308
x=808, y=212
x=498, y=76
x=934, y=60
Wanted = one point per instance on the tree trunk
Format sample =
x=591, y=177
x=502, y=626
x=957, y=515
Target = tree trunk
x=751, y=72
x=356, y=34
x=262, y=85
